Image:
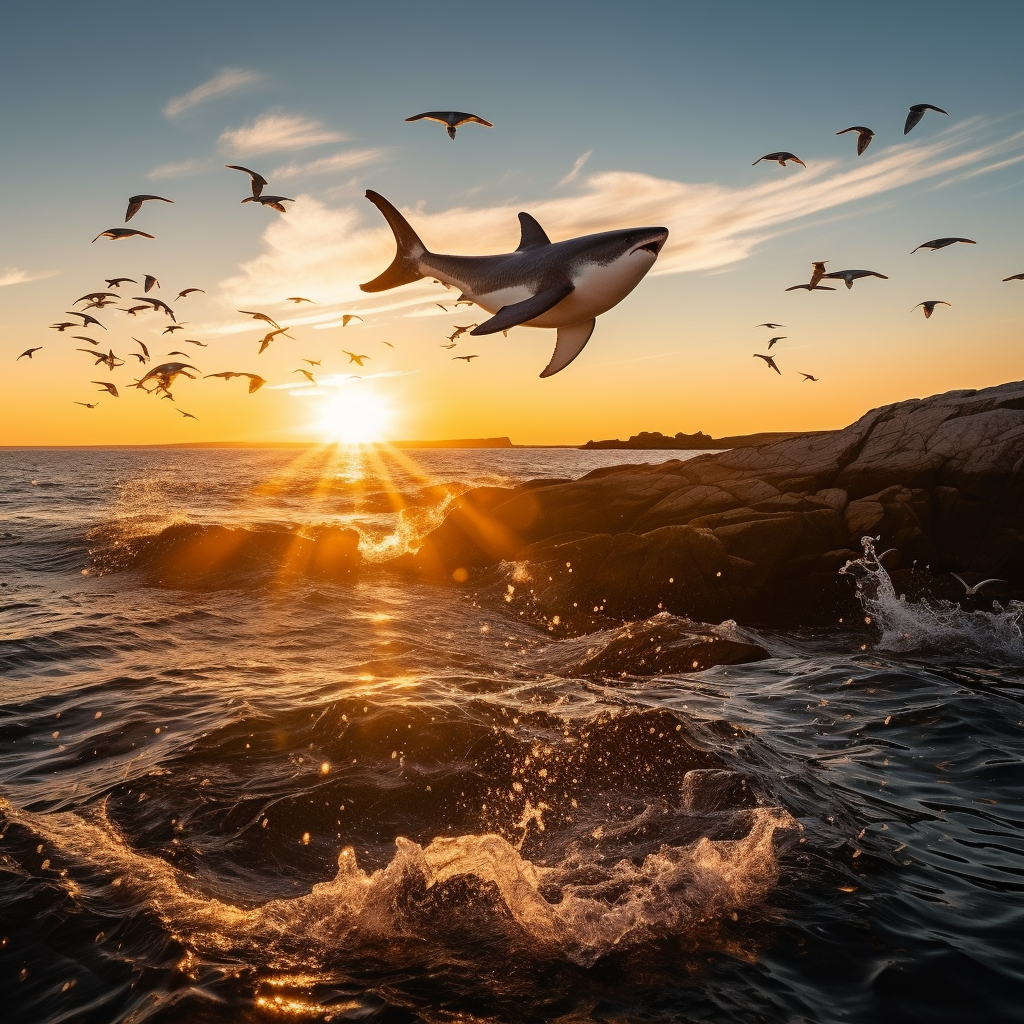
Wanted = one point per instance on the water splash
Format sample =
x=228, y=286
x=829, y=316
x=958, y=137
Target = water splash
x=933, y=624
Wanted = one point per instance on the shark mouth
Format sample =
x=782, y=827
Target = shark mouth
x=653, y=247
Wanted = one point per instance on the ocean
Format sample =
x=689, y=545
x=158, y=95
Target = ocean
x=262, y=794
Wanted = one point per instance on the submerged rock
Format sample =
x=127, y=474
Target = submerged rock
x=759, y=534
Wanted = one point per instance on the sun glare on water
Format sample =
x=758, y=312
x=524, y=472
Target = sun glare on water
x=355, y=418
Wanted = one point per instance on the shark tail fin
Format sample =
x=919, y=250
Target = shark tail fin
x=405, y=267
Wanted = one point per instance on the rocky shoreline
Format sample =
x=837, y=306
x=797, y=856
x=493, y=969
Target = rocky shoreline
x=759, y=534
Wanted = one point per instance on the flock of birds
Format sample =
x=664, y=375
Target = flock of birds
x=159, y=379
x=848, y=277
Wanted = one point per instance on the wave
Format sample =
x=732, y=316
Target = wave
x=933, y=624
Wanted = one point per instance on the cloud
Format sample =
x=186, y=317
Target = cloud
x=576, y=168
x=178, y=170
x=228, y=80
x=276, y=130
x=330, y=164
x=328, y=251
x=12, y=275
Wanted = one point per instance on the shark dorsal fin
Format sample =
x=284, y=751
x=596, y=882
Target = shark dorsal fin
x=533, y=233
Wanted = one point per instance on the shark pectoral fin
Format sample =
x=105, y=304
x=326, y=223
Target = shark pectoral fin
x=520, y=312
x=571, y=342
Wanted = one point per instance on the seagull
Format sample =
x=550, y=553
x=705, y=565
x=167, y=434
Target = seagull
x=95, y=297
x=774, y=340
x=349, y=317
x=806, y=376
x=770, y=327
x=86, y=319
x=769, y=360
x=780, y=158
x=156, y=304
x=135, y=310
x=313, y=362
x=166, y=373
x=64, y=326
x=864, y=136
x=970, y=591
x=307, y=375
x=267, y=339
x=171, y=328
x=462, y=330
x=941, y=243
x=116, y=282
x=1014, y=277
x=849, y=276
x=28, y=352
x=188, y=291
x=150, y=283
x=177, y=353
x=138, y=355
x=82, y=337
x=273, y=201
x=817, y=272
x=255, y=380
x=917, y=112
x=107, y=386
x=192, y=341
x=810, y=288
x=88, y=405
x=98, y=304
x=439, y=306
x=119, y=233
x=187, y=415
x=256, y=180
x=98, y=356
x=135, y=204
x=145, y=351
x=929, y=306
x=353, y=358
x=451, y=119
x=261, y=316
x=467, y=358
x=297, y=299
x=451, y=344
x=388, y=343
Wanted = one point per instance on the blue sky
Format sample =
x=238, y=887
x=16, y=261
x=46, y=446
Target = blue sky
x=672, y=102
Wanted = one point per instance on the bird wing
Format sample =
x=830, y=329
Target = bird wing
x=978, y=586
x=256, y=180
x=795, y=159
x=1014, y=277
x=938, y=110
x=476, y=120
x=255, y=382
x=863, y=141
x=134, y=205
x=962, y=580
x=913, y=118
x=432, y=115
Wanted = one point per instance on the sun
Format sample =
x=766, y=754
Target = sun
x=355, y=418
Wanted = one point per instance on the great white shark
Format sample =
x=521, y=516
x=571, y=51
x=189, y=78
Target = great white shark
x=564, y=285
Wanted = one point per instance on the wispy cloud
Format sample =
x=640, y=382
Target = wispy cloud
x=330, y=250
x=12, y=275
x=228, y=80
x=324, y=385
x=178, y=170
x=330, y=164
x=576, y=168
x=277, y=130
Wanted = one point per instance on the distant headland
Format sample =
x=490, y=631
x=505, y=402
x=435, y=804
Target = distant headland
x=698, y=441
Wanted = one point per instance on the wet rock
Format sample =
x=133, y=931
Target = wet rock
x=663, y=645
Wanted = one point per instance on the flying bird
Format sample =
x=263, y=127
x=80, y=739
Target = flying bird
x=156, y=304
x=564, y=285
x=188, y=415
x=171, y=328
x=806, y=376
x=255, y=380
x=189, y=291
x=353, y=358
x=150, y=283
x=192, y=341
x=267, y=339
x=116, y=282
x=864, y=136
x=165, y=374
x=135, y=204
x=261, y=316
x=388, y=343
x=136, y=310
x=772, y=341
x=96, y=296
x=810, y=288
x=1014, y=277
x=297, y=299
x=62, y=327
x=771, y=327
x=107, y=386
x=849, y=276
x=462, y=330
x=941, y=243
x=82, y=337
x=439, y=306
x=257, y=181
x=28, y=352
x=450, y=344
x=970, y=591
x=769, y=360
x=86, y=319
x=349, y=317
x=98, y=304
x=917, y=112
x=88, y=405
x=451, y=119
x=313, y=362
x=307, y=375
x=929, y=306
x=177, y=353
x=780, y=158
x=118, y=233
x=273, y=201
x=145, y=351
x=467, y=358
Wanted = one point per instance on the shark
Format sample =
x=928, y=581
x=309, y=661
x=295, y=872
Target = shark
x=562, y=285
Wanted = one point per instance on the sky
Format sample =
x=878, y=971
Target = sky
x=605, y=116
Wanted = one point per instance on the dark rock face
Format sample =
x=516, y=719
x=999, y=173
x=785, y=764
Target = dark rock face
x=758, y=534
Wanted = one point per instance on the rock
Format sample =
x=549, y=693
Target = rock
x=758, y=534
x=664, y=644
